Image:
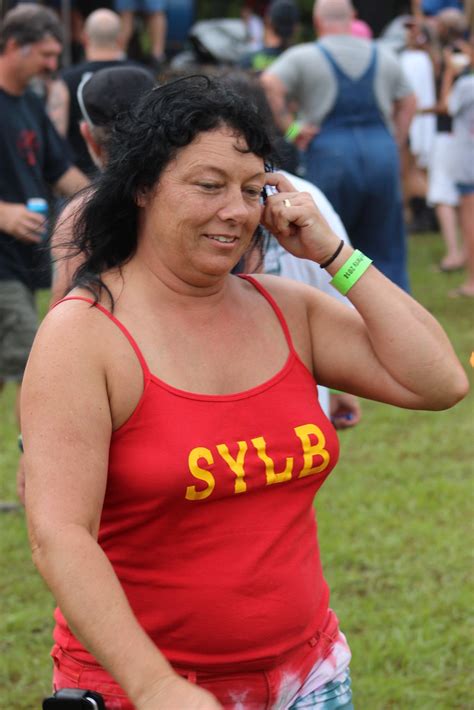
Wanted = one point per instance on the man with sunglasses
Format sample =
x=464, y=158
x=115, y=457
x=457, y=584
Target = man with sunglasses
x=102, y=97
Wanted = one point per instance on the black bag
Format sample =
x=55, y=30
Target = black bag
x=74, y=699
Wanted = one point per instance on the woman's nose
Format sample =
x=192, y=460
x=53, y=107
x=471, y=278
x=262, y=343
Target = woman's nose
x=235, y=207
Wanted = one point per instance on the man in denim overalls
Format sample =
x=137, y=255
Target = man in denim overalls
x=355, y=108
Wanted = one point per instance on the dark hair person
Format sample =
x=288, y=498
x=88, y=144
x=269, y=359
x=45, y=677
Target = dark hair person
x=29, y=23
x=174, y=446
x=139, y=150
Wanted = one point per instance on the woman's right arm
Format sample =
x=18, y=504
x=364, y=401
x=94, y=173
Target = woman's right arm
x=67, y=425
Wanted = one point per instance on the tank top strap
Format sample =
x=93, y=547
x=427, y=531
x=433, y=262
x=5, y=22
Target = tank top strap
x=275, y=307
x=110, y=316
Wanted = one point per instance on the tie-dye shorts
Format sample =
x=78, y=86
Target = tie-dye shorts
x=335, y=695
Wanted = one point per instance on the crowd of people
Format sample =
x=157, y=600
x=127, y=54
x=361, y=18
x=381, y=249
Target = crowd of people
x=226, y=276
x=438, y=56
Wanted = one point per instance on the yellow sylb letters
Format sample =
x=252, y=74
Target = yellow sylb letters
x=316, y=459
x=236, y=465
x=201, y=473
x=311, y=450
x=272, y=477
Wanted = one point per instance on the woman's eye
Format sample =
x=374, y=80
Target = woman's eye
x=209, y=185
x=253, y=192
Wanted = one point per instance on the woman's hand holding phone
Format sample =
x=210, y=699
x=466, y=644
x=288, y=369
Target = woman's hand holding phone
x=293, y=218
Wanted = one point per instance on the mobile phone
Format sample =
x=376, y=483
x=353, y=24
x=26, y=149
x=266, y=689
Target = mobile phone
x=267, y=190
x=74, y=699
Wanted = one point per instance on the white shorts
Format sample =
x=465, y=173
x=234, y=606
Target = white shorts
x=441, y=186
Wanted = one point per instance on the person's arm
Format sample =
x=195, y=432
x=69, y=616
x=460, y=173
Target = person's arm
x=388, y=348
x=451, y=73
x=344, y=410
x=67, y=426
x=57, y=106
x=437, y=109
x=404, y=110
x=277, y=94
x=417, y=9
x=71, y=182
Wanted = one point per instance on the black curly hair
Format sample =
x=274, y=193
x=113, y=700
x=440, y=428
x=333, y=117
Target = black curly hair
x=141, y=146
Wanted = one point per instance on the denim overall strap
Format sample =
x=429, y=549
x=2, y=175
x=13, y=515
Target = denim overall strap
x=355, y=103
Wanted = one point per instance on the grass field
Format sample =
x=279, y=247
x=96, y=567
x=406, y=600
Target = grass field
x=396, y=531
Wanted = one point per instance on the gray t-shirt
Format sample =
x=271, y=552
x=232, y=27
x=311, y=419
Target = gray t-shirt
x=310, y=79
x=461, y=107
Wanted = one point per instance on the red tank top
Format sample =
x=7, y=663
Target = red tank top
x=208, y=517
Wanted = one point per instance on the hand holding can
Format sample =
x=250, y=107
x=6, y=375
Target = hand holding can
x=40, y=206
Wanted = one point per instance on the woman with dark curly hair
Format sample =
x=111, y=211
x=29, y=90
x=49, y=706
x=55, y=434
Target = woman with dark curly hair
x=173, y=438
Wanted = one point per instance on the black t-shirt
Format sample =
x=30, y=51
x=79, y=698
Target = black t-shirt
x=72, y=78
x=32, y=157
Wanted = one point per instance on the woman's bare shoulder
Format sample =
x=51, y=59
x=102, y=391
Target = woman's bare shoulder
x=74, y=322
x=288, y=290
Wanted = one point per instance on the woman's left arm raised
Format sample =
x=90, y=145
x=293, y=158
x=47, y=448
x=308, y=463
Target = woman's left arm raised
x=389, y=348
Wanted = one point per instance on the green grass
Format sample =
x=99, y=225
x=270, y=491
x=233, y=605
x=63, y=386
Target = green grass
x=396, y=532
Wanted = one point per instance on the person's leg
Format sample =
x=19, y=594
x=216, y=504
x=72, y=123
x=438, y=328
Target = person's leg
x=20, y=473
x=467, y=229
x=157, y=26
x=127, y=27
x=443, y=195
x=18, y=325
x=448, y=223
x=415, y=185
x=126, y=9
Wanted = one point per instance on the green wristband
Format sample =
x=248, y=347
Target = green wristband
x=350, y=272
x=293, y=131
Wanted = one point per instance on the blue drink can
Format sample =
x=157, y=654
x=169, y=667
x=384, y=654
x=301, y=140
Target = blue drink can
x=39, y=205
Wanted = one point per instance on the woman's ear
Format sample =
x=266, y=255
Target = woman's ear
x=141, y=197
x=94, y=148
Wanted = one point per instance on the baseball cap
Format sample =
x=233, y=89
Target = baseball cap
x=434, y=7
x=283, y=15
x=359, y=28
x=104, y=94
